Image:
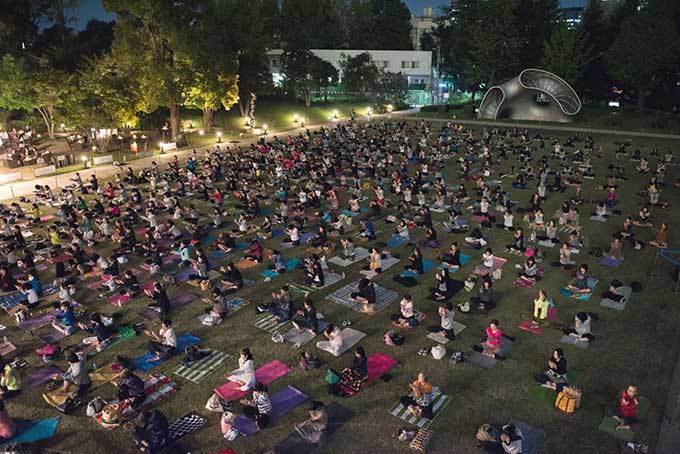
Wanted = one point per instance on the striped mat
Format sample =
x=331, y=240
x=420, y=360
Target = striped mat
x=202, y=368
x=268, y=323
x=384, y=297
x=438, y=404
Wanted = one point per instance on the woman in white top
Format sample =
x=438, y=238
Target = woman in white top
x=245, y=374
x=334, y=341
x=407, y=312
x=294, y=235
x=164, y=344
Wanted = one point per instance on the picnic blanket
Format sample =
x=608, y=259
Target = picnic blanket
x=282, y=402
x=378, y=364
x=384, y=297
x=608, y=424
x=532, y=437
x=300, y=337
x=385, y=264
x=269, y=322
x=350, y=337
x=486, y=362
x=119, y=300
x=264, y=374
x=145, y=362
x=592, y=282
x=294, y=444
x=330, y=278
x=359, y=255
x=200, y=369
x=184, y=426
x=105, y=374
x=9, y=300
x=441, y=338
x=245, y=264
x=627, y=292
x=290, y=264
x=32, y=430
x=175, y=303
x=610, y=262
x=439, y=402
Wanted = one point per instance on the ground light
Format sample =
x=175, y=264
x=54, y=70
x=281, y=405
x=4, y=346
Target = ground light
x=160, y=146
x=219, y=136
x=201, y=132
x=84, y=161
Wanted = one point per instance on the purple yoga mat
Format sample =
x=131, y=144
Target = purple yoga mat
x=186, y=298
x=282, y=402
x=609, y=261
x=38, y=377
x=35, y=322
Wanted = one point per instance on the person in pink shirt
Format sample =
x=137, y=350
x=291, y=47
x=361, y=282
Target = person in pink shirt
x=7, y=426
x=492, y=346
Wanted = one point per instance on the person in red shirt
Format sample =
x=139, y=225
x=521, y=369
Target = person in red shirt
x=627, y=409
x=7, y=426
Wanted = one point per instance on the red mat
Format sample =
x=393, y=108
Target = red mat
x=265, y=374
x=378, y=365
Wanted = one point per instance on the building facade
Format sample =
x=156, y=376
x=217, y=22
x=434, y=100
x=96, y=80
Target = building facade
x=420, y=25
x=416, y=66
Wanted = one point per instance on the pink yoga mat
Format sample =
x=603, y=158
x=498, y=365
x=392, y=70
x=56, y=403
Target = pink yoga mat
x=119, y=300
x=378, y=365
x=265, y=374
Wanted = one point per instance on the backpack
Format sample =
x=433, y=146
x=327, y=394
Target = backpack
x=565, y=403
x=331, y=377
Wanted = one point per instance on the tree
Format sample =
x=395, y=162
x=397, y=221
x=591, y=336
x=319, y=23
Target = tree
x=312, y=24
x=42, y=90
x=306, y=73
x=645, y=48
x=494, y=45
x=323, y=75
x=359, y=74
x=536, y=20
x=392, y=25
x=210, y=91
x=392, y=88
x=361, y=26
x=597, y=40
x=565, y=53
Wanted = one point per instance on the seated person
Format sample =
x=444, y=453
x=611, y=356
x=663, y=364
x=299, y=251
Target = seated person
x=245, y=374
x=579, y=284
x=556, y=375
x=616, y=248
x=660, y=239
x=76, y=376
x=484, y=302
x=7, y=426
x=581, y=329
x=334, y=340
x=445, y=327
x=150, y=432
x=509, y=442
x=10, y=381
x=313, y=429
x=420, y=402
x=348, y=249
x=517, y=244
x=164, y=343
x=626, y=412
x=367, y=231
x=541, y=306
x=130, y=387
x=529, y=270
x=445, y=288
x=614, y=293
x=355, y=375
x=407, y=314
x=365, y=295
x=281, y=305
x=307, y=318
x=102, y=333
x=232, y=280
x=451, y=259
x=65, y=320
x=218, y=310
x=224, y=243
x=415, y=262
x=374, y=261
x=258, y=407
x=492, y=346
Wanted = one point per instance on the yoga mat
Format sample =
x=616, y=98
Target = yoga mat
x=265, y=374
x=359, y=255
x=294, y=444
x=10, y=300
x=185, y=425
x=463, y=260
x=532, y=438
x=350, y=337
x=36, y=322
x=439, y=337
x=303, y=336
x=384, y=297
x=385, y=264
x=487, y=362
x=592, y=282
x=234, y=305
x=528, y=326
x=38, y=377
x=144, y=362
x=627, y=292
x=119, y=300
x=105, y=374
x=378, y=365
x=175, y=303
x=198, y=370
x=396, y=241
x=245, y=264
x=608, y=424
x=543, y=396
x=610, y=262
x=30, y=431
x=439, y=402
x=268, y=322
x=571, y=340
x=282, y=402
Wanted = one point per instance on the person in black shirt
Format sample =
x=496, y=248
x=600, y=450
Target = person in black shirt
x=355, y=375
x=102, y=333
x=160, y=297
x=307, y=318
x=130, y=386
x=365, y=295
x=555, y=376
x=150, y=432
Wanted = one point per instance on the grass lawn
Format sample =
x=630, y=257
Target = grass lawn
x=595, y=117
x=638, y=345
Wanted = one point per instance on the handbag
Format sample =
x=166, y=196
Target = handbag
x=497, y=274
x=421, y=440
x=332, y=377
x=575, y=393
x=438, y=351
x=565, y=403
x=487, y=432
x=95, y=406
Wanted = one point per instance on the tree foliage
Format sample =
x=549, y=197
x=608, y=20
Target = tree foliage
x=359, y=73
x=305, y=73
x=565, y=53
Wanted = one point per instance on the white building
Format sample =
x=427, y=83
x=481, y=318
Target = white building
x=415, y=65
x=421, y=25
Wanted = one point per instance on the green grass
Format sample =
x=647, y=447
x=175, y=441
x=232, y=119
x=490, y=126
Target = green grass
x=635, y=346
x=595, y=117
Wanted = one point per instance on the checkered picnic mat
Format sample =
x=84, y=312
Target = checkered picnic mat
x=198, y=370
x=184, y=426
x=269, y=323
x=439, y=402
x=384, y=297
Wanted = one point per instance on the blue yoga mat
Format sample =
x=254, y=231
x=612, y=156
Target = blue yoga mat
x=207, y=239
x=463, y=260
x=396, y=241
x=145, y=364
x=269, y=273
x=217, y=255
x=29, y=431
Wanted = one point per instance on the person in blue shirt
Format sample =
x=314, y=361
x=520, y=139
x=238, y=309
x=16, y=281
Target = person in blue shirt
x=65, y=320
x=369, y=231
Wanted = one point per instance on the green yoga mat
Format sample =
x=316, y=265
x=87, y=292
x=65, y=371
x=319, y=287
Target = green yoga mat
x=542, y=396
x=608, y=424
x=124, y=334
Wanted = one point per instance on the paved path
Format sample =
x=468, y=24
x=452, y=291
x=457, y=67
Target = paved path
x=542, y=127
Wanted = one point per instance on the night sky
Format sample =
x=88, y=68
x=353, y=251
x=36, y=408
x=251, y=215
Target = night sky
x=93, y=9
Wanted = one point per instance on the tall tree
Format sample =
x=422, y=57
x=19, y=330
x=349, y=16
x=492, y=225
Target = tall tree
x=597, y=30
x=361, y=25
x=565, y=53
x=536, y=20
x=306, y=73
x=494, y=45
x=392, y=25
x=311, y=24
x=359, y=73
x=644, y=50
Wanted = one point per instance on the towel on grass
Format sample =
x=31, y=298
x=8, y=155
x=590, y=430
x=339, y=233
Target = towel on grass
x=627, y=292
x=592, y=282
x=384, y=297
x=487, y=362
x=294, y=444
x=359, y=255
x=350, y=337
